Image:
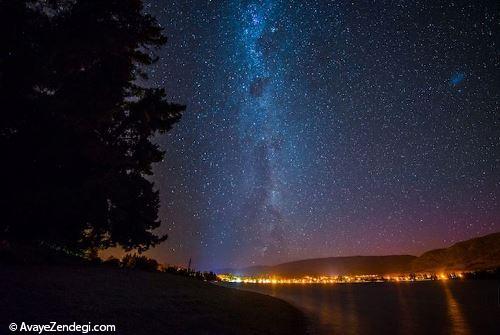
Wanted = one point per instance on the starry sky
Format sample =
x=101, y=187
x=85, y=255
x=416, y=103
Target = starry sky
x=327, y=128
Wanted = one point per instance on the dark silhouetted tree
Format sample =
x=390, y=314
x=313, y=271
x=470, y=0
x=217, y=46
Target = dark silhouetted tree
x=76, y=125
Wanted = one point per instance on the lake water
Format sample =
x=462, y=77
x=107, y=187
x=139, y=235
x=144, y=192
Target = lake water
x=434, y=307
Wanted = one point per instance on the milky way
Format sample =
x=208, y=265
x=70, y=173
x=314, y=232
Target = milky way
x=326, y=128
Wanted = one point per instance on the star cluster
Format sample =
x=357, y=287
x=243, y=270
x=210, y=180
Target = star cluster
x=327, y=128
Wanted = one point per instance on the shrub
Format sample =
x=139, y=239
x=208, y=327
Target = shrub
x=141, y=262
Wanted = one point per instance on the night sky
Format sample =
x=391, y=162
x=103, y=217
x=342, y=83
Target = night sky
x=327, y=128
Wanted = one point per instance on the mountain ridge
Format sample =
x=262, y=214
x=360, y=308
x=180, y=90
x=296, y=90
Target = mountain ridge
x=474, y=254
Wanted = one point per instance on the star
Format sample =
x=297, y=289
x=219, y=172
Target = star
x=320, y=128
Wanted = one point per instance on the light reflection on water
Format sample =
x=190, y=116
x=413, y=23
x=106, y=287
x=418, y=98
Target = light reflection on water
x=406, y=317
x=458, y=322
x=443, y=307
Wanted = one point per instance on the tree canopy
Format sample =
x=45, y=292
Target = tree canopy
x=76, y=126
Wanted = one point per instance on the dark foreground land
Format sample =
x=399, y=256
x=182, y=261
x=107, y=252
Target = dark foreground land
x=138, y=302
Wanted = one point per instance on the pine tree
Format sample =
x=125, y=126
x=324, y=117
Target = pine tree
x=76, y=126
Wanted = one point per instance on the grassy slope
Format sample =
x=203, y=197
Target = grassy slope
x=138, y=302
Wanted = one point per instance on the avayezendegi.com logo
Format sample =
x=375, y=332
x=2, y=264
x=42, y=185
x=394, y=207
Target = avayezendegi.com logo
x=57, y=327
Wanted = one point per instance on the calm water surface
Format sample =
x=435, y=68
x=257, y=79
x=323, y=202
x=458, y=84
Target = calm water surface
x=442, y=307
